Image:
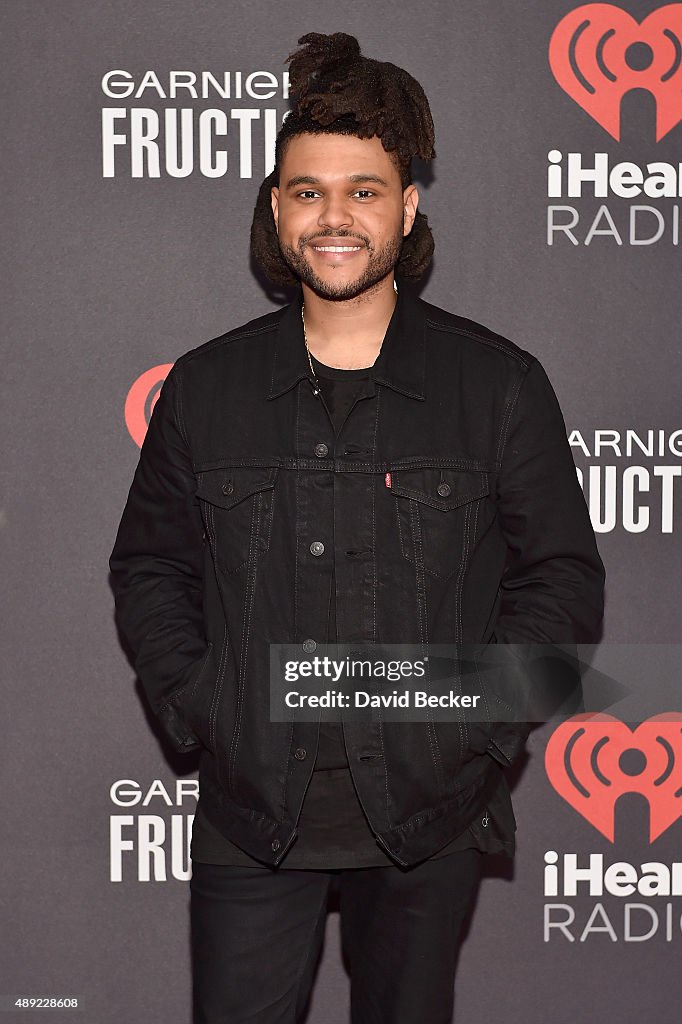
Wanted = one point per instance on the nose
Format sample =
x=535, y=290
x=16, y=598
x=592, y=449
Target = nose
x=335, y=213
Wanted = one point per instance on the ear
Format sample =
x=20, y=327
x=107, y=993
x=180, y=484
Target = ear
x=410, y=203
x=274, y=199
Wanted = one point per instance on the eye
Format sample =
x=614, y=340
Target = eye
x=309, y=193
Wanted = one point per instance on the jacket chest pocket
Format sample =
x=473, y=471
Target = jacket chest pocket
x=237, y=508
x=437, y=512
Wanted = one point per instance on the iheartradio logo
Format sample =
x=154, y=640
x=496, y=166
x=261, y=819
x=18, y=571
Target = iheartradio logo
x=598, y=52
x=141, y=399
x=593, y=759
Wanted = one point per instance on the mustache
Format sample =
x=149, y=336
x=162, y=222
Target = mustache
x=320, y=238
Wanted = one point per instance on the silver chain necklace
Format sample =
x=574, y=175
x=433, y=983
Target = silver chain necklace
x=316, y=385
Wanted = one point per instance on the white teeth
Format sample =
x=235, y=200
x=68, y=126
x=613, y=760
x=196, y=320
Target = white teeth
x=337, y=248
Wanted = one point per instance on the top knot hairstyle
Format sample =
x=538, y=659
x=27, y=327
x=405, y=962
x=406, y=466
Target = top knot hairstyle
x=335, y=90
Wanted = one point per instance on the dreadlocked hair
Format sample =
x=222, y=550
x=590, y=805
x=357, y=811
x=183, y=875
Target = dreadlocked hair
x=338, y=91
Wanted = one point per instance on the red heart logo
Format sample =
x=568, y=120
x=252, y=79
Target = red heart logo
x=585, y=764
x=598, y=52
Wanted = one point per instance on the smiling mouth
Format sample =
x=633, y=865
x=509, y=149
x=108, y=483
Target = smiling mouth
x=336, y=248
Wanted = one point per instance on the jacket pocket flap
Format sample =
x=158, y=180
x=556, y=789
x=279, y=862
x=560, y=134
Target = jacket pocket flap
x=229, y=485
x=444, y=489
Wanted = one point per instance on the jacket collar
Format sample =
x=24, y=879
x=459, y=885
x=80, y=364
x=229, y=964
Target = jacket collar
x=400, y=364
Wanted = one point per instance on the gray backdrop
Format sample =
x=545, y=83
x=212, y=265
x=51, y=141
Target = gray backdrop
x=111, y=278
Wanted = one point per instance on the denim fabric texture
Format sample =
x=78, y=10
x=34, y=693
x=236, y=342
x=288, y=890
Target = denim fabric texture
x=448, y=506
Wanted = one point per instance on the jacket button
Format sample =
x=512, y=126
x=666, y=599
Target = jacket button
x=321, y=450
x=317, y=547
x=228, y=487
x=443, y=489
x=275, y=844
x=309, y=645
x=301, y=754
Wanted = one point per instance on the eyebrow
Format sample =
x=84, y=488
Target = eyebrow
x=306, y=179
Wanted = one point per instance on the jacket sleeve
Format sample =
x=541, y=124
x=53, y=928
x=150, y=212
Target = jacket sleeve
x=552, y=591
x=157, y=567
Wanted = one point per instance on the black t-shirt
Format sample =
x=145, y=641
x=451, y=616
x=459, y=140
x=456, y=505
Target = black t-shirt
x=333, y=829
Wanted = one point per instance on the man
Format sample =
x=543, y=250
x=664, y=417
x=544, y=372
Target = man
x=363, y=467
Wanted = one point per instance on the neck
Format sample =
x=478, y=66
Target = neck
x=348, y=334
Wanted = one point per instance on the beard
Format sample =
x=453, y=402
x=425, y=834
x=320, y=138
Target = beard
x=380, y=263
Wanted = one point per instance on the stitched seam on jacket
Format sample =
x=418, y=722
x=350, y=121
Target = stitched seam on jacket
x=179, y=408
x=506, y=419
x=217, y=690
x=214, y=343
x=249, y=592
x=458, y=601
x=447, y=329
x=418, y=548
x=328, y=465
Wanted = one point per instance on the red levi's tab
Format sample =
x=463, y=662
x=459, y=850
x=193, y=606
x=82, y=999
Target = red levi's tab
x=387, y=479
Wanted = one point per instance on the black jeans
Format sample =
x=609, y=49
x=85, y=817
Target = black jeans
x=257, y=934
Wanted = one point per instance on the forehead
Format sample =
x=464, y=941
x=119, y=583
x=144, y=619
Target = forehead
x=330, y=157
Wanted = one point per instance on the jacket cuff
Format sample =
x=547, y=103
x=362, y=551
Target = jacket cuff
x=177, y=731
x=508, y=742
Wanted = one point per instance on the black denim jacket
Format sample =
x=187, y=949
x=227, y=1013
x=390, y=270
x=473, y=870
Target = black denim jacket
x=450, y=506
